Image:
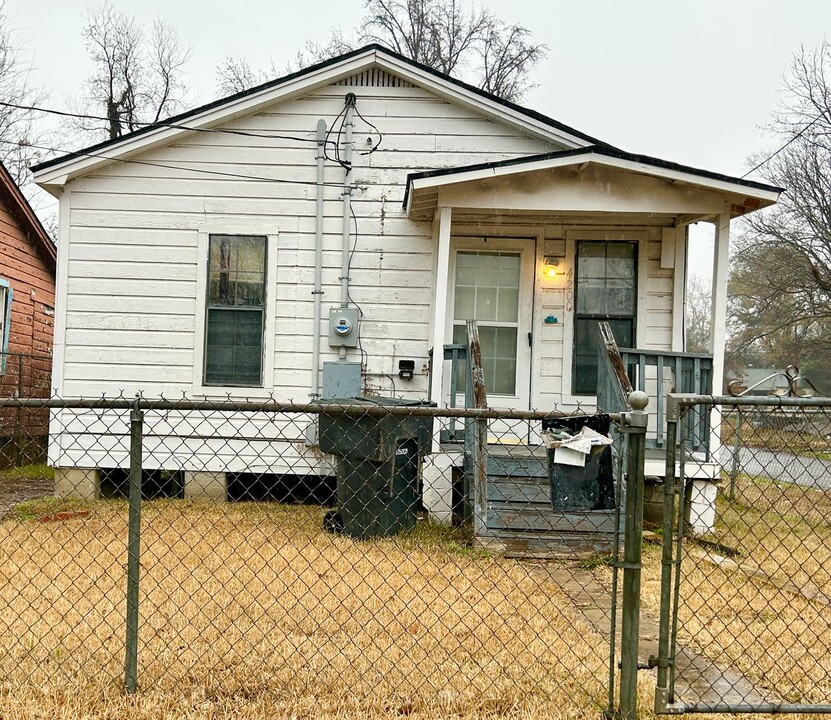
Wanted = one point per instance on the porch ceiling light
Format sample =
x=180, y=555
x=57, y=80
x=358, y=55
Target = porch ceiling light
x=552, y=266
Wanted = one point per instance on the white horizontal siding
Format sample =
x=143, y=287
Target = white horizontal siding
x=132, y=255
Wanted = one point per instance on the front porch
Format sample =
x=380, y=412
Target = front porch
x=539, y=251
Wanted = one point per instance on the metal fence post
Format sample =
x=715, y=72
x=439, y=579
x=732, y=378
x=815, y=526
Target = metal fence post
x=671, y=487
x=133, y=550
x=634, y=424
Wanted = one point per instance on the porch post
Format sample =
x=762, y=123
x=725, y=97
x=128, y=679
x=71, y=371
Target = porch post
x=702, y=504
x=437, y=475
x=678, y=288
x=442, y=221
x=718, y=309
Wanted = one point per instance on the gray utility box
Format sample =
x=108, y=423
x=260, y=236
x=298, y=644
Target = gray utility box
x=341, y=379
x=343, y=327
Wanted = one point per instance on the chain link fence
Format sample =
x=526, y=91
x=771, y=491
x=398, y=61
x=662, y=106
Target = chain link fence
x=323, y=560
x=750, y=622
x=23, y=435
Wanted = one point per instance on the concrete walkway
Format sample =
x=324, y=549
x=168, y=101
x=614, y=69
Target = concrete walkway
x=697, y=679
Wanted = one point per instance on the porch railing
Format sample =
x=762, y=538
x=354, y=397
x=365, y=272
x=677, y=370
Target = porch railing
x=673, y=372
x=457, y=353
x=657, y=373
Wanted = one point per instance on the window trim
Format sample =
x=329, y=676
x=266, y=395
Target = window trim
x=526, y=244
x=236, y=227
x=7, y=321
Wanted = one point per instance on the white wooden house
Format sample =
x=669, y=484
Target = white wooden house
x=462, y=205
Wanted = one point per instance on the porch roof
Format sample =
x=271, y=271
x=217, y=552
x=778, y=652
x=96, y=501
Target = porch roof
x=591, y=179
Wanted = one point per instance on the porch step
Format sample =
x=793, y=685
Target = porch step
x=519, y=501
x=562, y=546
x=524, y=465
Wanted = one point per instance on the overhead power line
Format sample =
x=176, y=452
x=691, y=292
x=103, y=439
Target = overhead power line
x=171, y=166
x=787, y=144
x=161, y=124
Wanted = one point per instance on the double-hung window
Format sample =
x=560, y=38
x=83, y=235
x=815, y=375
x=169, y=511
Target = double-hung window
x=605, y=290
x=235, y=311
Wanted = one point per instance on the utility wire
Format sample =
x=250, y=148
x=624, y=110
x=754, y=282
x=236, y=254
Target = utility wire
x=776, y=152
x=380, y=135
x=161, y=124
x=169, y=166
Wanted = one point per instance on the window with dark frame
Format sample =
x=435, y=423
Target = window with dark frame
x=235, y=311
x=605, y=290
x=5, y=321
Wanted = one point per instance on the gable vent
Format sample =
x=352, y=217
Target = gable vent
x=374, y=77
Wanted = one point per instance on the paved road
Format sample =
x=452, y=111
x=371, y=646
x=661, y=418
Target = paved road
x=780, y=466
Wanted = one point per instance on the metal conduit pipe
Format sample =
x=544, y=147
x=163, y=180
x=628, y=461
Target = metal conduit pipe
x=317, y=292
x=347, y=203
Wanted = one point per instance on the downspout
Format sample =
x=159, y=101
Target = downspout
x=347, y=205
x=318, y=289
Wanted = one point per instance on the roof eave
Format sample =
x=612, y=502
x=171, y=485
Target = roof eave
x=766, y=195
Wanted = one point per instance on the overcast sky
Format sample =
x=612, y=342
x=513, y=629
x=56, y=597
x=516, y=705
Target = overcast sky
x=692, y=82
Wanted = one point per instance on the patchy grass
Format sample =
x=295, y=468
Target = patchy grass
x=29, y=472
x=252, y=611
x=45, y=506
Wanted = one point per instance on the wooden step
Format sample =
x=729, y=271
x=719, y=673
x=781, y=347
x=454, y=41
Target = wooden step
x=565, y=546
x=528, y=466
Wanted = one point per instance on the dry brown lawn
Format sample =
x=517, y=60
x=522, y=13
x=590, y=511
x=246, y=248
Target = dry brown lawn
x=251, y=611
x=769, y=629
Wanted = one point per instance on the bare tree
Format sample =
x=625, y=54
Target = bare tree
x=20, y=131
x=698, y=314
x=508, y=56
x=437, y=33
x=234, y=75
x=781, y=279
x=451, y=36
x=136, y=78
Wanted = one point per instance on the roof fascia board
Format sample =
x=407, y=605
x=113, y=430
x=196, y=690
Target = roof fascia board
x=481, y=104
x=578, y=159
x=691, y=178
x=59, y=174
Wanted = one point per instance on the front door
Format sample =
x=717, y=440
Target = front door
x=493, y=284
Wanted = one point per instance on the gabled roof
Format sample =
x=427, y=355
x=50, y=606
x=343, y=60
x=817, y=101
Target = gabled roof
x=18, y=206
x=58, y=170
x=760, y=193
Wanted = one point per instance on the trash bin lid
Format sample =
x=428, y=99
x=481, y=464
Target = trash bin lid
x=380, y=401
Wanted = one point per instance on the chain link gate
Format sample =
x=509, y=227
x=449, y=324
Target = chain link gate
x=745, y=564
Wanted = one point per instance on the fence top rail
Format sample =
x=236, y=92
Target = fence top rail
x=678, y=402
x=162, y=404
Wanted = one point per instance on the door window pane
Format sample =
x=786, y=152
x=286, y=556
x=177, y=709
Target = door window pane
x=606, y=290
x=498, y=346
x=487, y=290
